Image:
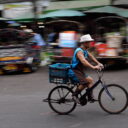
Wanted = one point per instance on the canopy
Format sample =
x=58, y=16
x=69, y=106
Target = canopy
x=110, y=9
x=62, y=13
x=59, y=13
x=76, y=4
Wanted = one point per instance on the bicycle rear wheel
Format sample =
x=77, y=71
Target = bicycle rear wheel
x=115, y=104
x=60, y=100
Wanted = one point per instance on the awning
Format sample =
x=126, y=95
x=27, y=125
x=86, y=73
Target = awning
x=59, y=13
x=76, y=4
x=62, y=13
x=110, y=9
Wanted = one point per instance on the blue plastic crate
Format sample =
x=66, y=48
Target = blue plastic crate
x=58, y=73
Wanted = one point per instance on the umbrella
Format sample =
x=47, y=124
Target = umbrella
x=110, y=9
x=62, y=13
x=59, y=13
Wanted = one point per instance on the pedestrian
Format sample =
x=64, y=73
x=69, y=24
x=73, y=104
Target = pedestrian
x=80, y=62
x=39, y=43
x=37, y=38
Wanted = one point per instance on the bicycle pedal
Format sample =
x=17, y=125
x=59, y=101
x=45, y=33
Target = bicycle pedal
x=93, y=100
x=76, y=99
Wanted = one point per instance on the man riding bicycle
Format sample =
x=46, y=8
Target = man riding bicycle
x=79, y=62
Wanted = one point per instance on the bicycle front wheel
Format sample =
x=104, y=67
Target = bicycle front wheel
x=113, y=99
x=60, y=100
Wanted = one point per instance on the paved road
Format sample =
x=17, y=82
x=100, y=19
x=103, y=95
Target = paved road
x=21, y=104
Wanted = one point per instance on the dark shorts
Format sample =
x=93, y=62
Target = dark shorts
x=81, y=77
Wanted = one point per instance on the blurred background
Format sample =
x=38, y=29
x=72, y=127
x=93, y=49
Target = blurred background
x=36, y=33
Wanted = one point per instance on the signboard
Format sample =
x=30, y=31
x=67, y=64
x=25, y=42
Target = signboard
x=68, y=39
x=17, y=10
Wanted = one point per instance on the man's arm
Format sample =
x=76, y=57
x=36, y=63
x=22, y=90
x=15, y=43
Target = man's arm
x=82, y=59
x=39, y=40
x=95, y=60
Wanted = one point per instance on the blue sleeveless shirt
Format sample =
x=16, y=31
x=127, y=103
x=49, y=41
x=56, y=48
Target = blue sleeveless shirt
x=75, y=60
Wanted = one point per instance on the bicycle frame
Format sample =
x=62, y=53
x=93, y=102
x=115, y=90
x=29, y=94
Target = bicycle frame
x=99, y=81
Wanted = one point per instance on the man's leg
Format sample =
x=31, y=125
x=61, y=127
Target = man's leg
x=89, y=81
x=78, y=91
x=90, y=93
x=83, y=83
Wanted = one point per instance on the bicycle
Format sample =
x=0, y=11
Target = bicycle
x=112, y=98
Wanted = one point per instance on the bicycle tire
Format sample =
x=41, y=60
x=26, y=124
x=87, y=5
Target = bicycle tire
x=60, y=100
x=115, y=90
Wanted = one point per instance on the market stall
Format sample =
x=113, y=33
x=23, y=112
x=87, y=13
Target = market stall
x=111, y=39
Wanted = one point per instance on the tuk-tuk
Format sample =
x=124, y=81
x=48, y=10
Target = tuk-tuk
x=17, y=51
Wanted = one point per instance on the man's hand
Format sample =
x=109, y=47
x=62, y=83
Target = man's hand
x=97, y=67
x=101, y=65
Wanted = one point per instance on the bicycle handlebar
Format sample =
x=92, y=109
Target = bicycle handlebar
x=100, y=72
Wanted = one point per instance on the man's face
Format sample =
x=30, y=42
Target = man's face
x=86, y=44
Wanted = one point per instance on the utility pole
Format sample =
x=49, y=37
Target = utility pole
x=39, y=6
x=112, y=2
x=34, y=9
